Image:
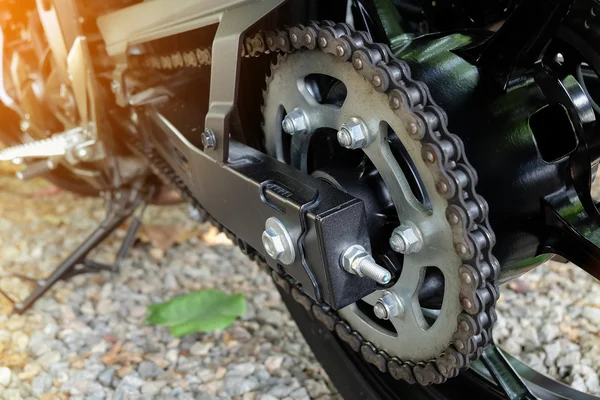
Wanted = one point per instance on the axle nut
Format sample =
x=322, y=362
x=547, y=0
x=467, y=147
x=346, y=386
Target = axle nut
x=277, y=242
x=273, y=243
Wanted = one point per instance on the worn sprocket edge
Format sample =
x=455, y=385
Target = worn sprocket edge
x=474, y=328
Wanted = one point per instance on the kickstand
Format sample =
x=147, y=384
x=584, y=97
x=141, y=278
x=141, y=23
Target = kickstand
x=121, y=205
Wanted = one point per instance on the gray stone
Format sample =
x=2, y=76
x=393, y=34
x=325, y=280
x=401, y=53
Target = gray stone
x=316, y=388
x=300, y=394
x=569, y=359
x=266, y=397
x=132, y=381
x=280, y=391
x=549, y=332
x=552, y=351
x=48, y=359
x=148, y=369
x=11, y=394
x=592, y=314
x=242, y=370
x=200, y=349
x=238, y=385
x=153, y=388
x=106, y=376
x=41, y=384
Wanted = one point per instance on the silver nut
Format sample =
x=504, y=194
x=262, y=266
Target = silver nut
x=388, y=306
x=407, y=239
x=209, y=141
x=352, y=258
x=354, y=134
x=295, y=122
x=273, y=243
x=277, y=242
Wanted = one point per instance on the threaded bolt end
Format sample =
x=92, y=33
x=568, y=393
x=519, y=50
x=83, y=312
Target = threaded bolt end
x=344, y=137
x=371, y=269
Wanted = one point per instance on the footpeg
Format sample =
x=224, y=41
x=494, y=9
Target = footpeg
x=57, y=145
x=75, y=146
x=122, y=205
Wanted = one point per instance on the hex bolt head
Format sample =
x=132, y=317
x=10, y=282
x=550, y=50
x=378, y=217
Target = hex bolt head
x=295, y=122
x=354, y=134
x=209, y=141
x=273, y=243
x=407, y=239
x=388, y=306
x=278, y=242
x=357, y=261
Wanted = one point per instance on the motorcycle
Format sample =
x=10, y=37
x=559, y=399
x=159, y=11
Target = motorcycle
x=389, y=163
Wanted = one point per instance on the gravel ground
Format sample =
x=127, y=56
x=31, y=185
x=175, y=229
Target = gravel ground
x=86, y=338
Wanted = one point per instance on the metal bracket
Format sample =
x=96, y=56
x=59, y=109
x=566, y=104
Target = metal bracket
x=521, y=41
x=121, y=206
x=224, y=81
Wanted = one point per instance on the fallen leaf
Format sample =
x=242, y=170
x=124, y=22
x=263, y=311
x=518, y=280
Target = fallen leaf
x=519, y=286
x=110, y=358
x=162, y=236
x=126, y=370
x=161, y=362
x=201, y=311
x=213, y=237
x=109, y=338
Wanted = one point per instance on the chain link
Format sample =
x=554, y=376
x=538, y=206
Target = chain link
x=455, y=179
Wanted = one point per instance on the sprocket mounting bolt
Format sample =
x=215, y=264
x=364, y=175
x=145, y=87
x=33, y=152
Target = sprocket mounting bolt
x=295, y=122
x=407, y=239
x=388, y=306
x=354, y=134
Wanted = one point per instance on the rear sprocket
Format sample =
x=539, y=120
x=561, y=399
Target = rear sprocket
x=401, y=172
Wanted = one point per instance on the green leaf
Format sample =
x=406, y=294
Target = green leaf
x=202, y=311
